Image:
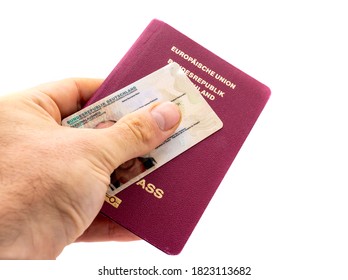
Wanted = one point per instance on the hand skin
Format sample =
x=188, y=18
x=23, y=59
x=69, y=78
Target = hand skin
x=53, y=179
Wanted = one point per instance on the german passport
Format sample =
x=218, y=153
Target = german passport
x=164, y=206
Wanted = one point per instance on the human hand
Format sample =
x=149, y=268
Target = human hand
x=53, y=179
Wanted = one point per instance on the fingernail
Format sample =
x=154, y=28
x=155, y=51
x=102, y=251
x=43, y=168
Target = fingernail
x=166, y=114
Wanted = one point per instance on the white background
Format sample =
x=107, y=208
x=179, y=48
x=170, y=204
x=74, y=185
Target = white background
x=282, y=207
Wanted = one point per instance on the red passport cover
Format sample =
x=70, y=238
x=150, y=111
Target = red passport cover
x=189, y=181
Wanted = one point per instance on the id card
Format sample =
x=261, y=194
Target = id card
x=166, y=84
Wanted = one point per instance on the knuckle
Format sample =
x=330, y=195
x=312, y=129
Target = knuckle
x=137, y=130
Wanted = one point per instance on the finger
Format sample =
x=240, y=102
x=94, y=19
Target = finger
x=104, y=229
x=69, y=95
x=138, y=133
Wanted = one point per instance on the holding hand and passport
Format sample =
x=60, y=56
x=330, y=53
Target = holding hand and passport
x=166, y=191
x=53, y=178
x=141, y=155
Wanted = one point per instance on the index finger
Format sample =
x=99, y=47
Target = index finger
x=70, y=94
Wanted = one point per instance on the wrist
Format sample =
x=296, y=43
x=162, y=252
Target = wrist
x=22, y=234
x=23, y=240
x=11, y=235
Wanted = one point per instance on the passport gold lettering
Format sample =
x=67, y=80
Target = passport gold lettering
x=225, y=81
x=150, y=188
x=208, y=95
x=203, y=67
x=194, y=61
x=158, y=193
x=199, y=81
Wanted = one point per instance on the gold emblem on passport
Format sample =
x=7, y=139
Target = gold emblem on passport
x=113, y=200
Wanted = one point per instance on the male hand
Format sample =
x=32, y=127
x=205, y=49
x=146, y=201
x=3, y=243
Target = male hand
x=53, y=179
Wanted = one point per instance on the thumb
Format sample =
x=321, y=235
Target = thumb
x=139, y=132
